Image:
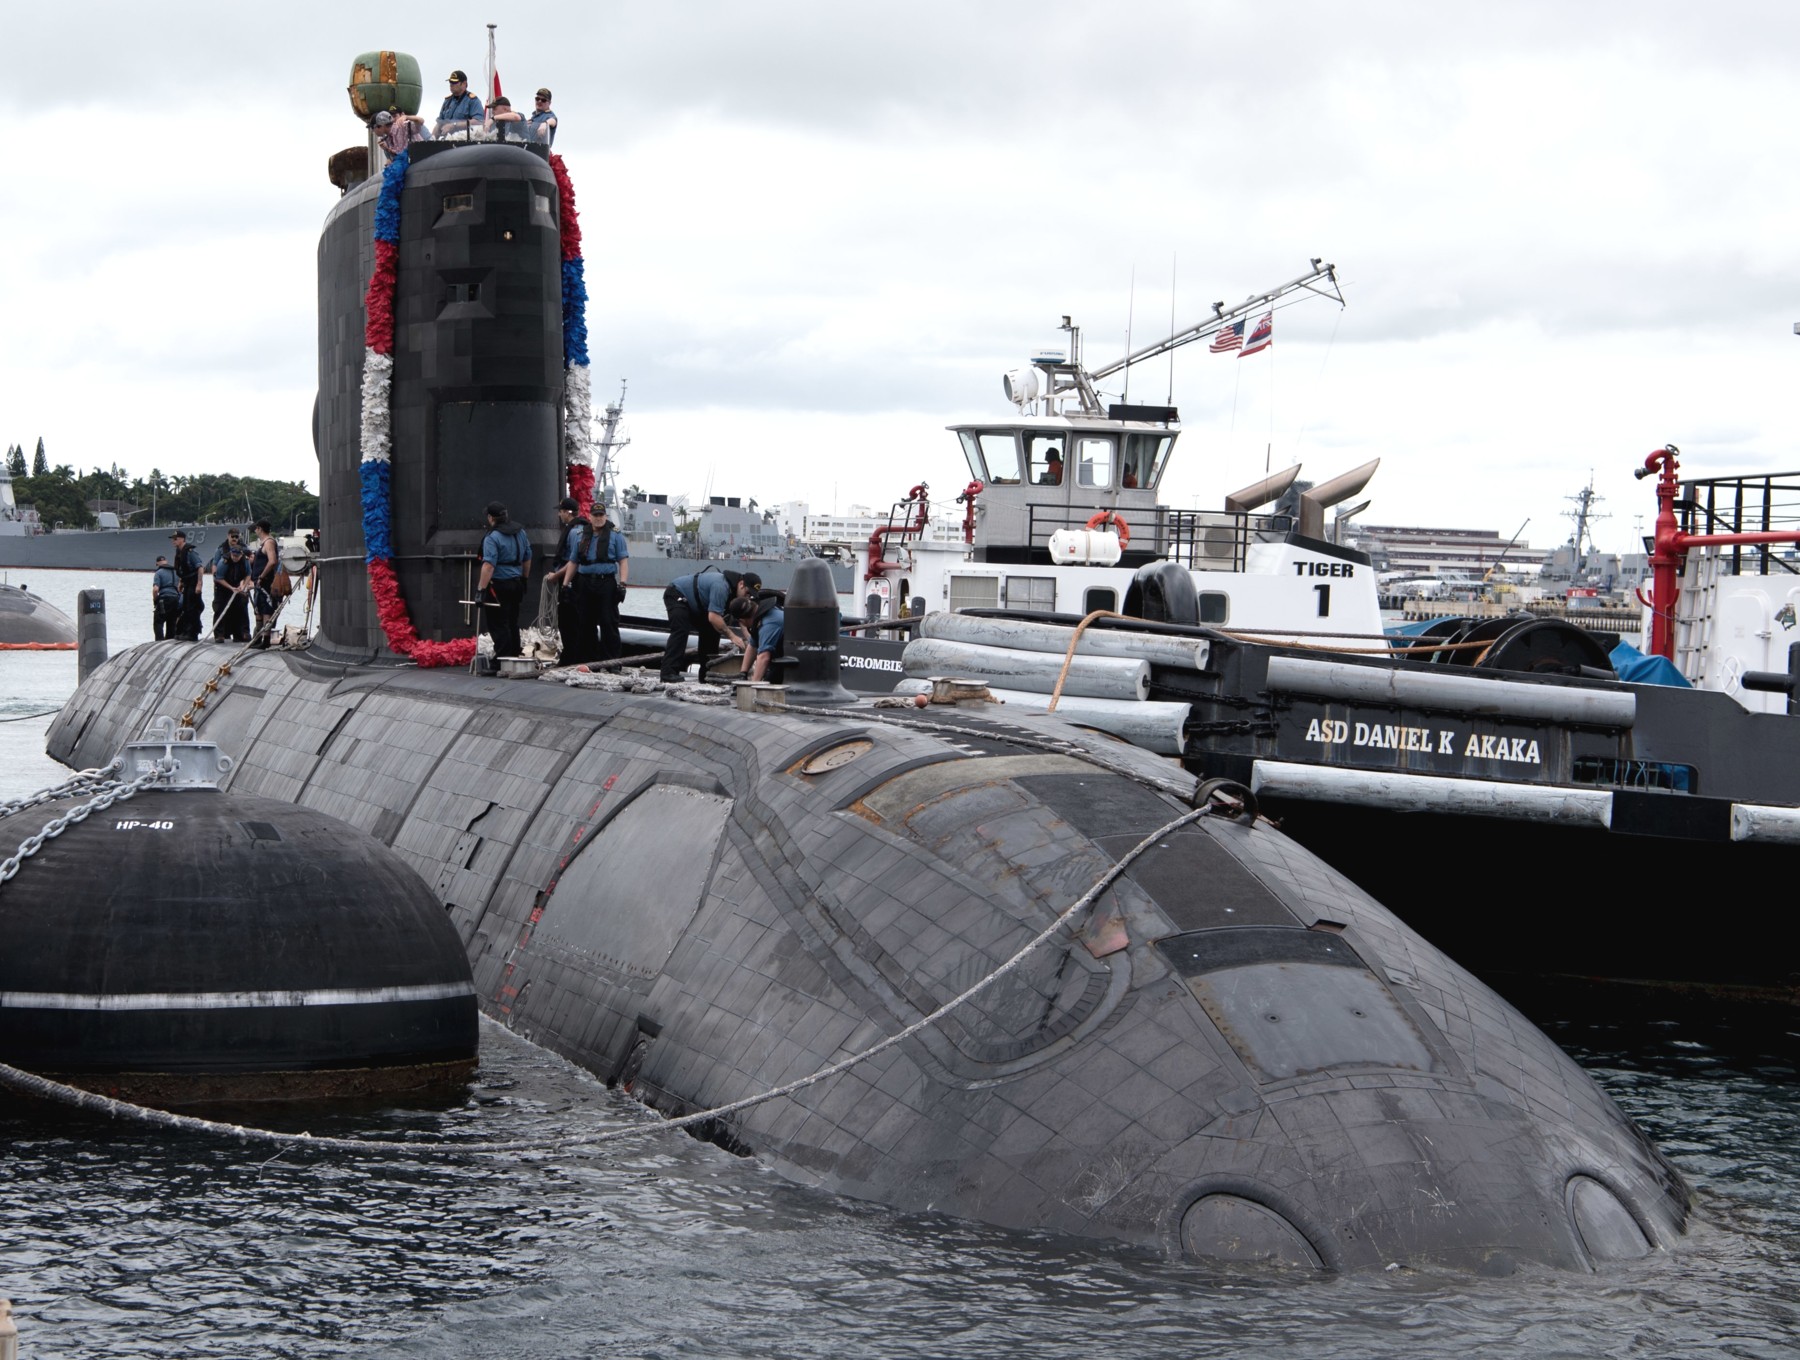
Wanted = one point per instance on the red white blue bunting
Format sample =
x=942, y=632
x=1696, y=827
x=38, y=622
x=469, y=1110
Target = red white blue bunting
x=377, y=405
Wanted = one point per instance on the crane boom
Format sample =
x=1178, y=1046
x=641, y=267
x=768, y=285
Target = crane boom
x=1223, y=316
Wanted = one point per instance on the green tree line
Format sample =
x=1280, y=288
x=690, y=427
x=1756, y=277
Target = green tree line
x=60, y=496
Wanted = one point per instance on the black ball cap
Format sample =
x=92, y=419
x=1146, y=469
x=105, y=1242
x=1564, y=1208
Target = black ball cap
x=570, y=504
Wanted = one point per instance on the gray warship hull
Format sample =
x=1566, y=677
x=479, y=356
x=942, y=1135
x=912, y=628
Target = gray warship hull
x=103, y=549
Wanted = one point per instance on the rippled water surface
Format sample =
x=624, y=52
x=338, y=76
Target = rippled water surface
x=122, y=1240
x=125, y=1240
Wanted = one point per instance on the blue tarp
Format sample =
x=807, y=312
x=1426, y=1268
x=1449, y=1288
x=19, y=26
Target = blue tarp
x=1632, y=666
x=1413, y=629
x=1637, y=669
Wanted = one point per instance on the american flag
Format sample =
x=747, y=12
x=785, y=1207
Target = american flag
x=1260, y=338
x=1232, y=337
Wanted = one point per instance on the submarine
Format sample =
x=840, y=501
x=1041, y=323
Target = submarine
x=1219, y=1048
x=30, y=624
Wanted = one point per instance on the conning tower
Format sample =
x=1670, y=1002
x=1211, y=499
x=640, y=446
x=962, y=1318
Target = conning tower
x=477, y=396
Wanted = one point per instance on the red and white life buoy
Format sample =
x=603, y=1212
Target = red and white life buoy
x=1120, y=527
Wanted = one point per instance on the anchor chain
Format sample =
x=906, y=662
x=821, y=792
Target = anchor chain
x=84, y=782
x=110, y=792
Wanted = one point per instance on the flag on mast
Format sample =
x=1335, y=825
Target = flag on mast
x=1260, y=338
x=493, y=70
x=1232, y=337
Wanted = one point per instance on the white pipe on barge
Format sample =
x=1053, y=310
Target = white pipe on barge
x=1452, y=693
x=1433, y=793
x=1760, y=822
x=1026, y=635
x=1154, y=726
x=1089, y=677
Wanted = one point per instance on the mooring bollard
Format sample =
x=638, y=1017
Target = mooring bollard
x=9, y=1334
x=812, y=636
x=90, y=632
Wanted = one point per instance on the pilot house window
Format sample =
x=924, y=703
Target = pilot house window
x=1142, y=462
x=993, y=456
x=1093, y=462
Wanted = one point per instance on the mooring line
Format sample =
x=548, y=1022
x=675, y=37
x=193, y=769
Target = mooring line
x=42, y=1087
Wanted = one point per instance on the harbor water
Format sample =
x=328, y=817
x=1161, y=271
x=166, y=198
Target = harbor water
x=122, y=1239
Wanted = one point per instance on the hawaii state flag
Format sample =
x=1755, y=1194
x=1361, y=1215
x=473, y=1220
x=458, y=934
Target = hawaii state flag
x=1260, y=338
x=1232, y=337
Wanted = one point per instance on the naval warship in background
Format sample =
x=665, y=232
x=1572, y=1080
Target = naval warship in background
x=26, y=542
x=1219, y=1046
x=728, y=530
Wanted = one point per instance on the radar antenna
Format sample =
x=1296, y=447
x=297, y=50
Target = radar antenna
x=1584, y=515
x=608, y=444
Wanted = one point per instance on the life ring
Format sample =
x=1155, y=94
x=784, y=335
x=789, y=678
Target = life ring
x=1119, y=525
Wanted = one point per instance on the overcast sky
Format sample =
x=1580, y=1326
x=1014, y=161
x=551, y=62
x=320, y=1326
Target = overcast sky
x=816, y=233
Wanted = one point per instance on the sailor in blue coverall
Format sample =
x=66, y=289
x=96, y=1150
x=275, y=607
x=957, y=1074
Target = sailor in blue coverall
x=505, y=567
x=696, y=604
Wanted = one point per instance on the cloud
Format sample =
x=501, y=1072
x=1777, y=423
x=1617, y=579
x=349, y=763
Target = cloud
x=819, y=232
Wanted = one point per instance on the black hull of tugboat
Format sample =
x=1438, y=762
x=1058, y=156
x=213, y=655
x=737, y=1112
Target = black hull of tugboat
x=1561, y=909
x=701, y=903
x=1527, y=824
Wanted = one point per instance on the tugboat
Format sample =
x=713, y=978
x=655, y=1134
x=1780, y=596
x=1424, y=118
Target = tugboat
x=1061, y=513
x=1251, y=648
x=927, y=956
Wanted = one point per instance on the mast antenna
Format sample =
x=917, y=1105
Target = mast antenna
x=1130, y=308
x=1170, y=399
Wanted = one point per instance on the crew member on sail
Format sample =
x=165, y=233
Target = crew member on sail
x=460, y=110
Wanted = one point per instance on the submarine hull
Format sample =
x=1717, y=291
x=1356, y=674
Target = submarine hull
x=190, y=945
x=1233, y=1055
x=28, y=624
